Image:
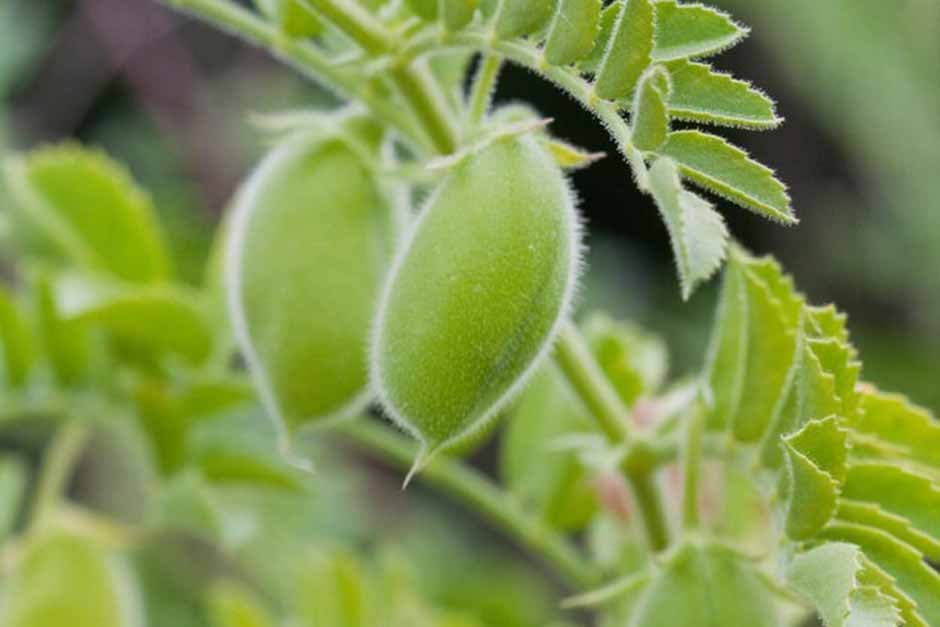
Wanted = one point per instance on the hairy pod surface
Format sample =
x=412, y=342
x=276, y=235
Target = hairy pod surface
x=476, y=296
x=311, y=238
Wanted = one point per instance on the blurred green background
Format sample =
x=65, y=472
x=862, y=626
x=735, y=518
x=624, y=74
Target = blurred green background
x=856, y=80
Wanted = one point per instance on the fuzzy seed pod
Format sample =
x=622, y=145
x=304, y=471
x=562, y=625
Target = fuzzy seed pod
x=477, y=294
x=311, y=238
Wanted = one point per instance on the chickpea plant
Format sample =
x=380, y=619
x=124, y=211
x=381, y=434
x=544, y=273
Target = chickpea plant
x=399, y=274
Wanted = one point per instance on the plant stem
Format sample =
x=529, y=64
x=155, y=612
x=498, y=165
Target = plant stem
x=355, y=20
x=58, y=463
x=585, y=376
x=481, y=93
x=310, y=61
x=483, y=497
x=589, y=382
x=413, y=80
x=569, y=81
x=429, y=104
x=692, y=468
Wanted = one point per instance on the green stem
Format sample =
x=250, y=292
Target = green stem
x=416, y=85
x=602, y=401
x=58, y=463
x=310, y=61
x=429, y=104
x=569, y=81
x=692, y=468
x=650, y=505
x=484, y=84
x=355, y=20
x=585, y=376
x=483, y=497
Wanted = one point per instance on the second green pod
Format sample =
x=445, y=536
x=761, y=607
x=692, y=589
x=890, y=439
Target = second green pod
x=478, y=292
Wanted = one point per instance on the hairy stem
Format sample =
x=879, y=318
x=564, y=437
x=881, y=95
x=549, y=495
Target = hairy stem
x=585, y=376
x=355, y=20
x=591, y=385
x=413, y=81
x=429, y=104
x=483, y=497
x=530, y=57
x=310, y=61
x=481, y=93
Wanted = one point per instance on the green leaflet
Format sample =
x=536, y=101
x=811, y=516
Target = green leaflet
x=902, y=562
x=705, y=586
x=700, y=94
x=635, y=362
x=812, y=496
x=692, y=30
x=697, y=233
x=66, y=580
x=523, y=17
x=573, y=31
x=726, y=170
x=815, y=457
x=550, y=481
x=824, y=443
x=608, y=20
x=234, y=605
x=896, y=490
x=311, y=237
x=650, y=118
x=872, y=515
x=893, y=419
x=809, y=394
x=152, y=318
x=477, y=295
x=752, y=352
x=88, y=207
x=832, y=577
x=628, y=52
x=17, y=351
x=837, y=358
